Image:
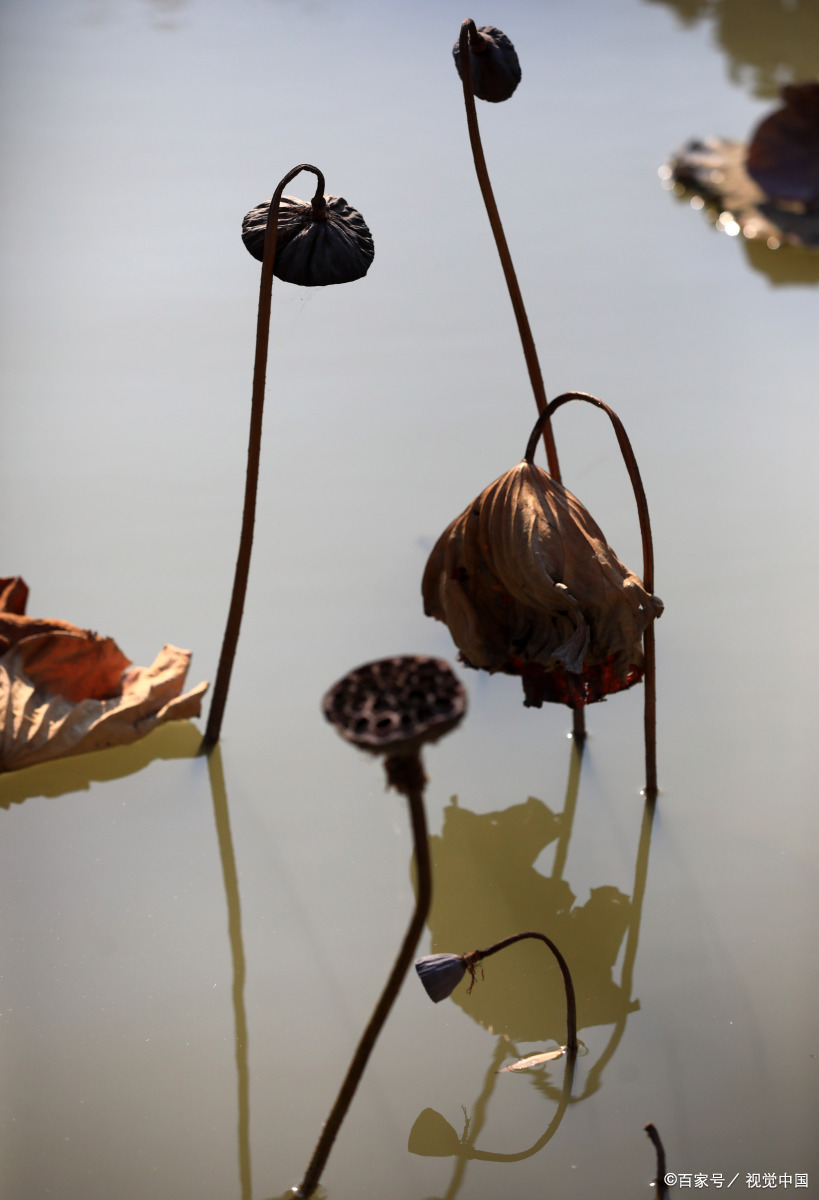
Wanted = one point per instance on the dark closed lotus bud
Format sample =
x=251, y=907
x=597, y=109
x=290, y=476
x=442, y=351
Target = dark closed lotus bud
x=440, y=974
x=495, y=66
x=783, y=156
x=395, y=705
x=318, y=242
x=528, y=585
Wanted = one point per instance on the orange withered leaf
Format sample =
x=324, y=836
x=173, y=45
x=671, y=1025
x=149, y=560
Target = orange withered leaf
x=65, y=690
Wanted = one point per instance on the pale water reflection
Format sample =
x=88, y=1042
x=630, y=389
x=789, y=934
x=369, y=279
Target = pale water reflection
x=767, y=43
x=188, y=960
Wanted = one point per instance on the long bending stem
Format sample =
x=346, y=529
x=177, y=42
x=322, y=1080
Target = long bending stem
x=650, y=715
x=414, y=794
x=471, y=960
x=469, y=32
x=237, y=600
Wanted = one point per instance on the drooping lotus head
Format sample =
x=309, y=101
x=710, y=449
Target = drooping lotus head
x=319, y=242
x=493, y=60
x=528, y=585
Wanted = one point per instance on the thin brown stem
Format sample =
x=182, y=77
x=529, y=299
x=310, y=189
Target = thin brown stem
x=650, y=712
x=656, y=1141
x=469, y=32
x=402, y=964
x=471, y=960
x=237, y=600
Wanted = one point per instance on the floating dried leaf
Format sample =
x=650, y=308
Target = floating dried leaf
x=65, y=690
x=767, y=190
x=534, y=1060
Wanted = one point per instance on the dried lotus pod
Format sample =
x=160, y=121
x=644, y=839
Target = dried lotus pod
x=394, y=705
x=528, y=585
x=494, y=62
x=318, y=242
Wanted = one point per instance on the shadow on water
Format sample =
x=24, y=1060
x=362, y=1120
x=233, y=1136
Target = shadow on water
x=486, y=888
x=178, y=739
x=767, y=45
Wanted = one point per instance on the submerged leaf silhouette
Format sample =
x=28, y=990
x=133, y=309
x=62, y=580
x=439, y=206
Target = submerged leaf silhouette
x=65, y=690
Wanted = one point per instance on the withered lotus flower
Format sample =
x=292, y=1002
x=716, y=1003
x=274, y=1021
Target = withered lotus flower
x=319, y=242
x=65, y=690
x=529, y=586
x=494, y=62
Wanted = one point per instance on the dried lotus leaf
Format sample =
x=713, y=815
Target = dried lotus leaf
x=315, y=247
x=65, y=690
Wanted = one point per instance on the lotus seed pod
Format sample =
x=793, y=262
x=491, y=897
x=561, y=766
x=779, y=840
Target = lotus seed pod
x=395, y=705
x=494, y=61
x=317, y=243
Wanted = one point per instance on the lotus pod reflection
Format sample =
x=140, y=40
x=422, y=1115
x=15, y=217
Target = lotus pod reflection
x=528, y=586
x=440, y=974
x=318, y=242
x=494, y=62
x=394, y=705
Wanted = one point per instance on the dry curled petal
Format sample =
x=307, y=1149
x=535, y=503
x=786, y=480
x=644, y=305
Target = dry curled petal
x=528, y=585
x=316, y=245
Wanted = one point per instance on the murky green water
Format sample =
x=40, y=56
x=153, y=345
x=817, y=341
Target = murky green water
x=190, y=950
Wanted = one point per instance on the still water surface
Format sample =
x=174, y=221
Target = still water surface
x=190, y=949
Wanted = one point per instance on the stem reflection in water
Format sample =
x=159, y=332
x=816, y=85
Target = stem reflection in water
x=228, y=859
x=484, y=872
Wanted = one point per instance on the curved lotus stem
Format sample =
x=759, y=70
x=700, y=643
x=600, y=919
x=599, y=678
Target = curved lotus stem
x=650, y=718
x=237, y=600
x=656, y=1141
x=406, y=774
x=469, y=32
x=470, y=961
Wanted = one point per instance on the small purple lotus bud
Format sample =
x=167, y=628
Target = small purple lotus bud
x=440, y=974
x=318, y=242
x=495, y=66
